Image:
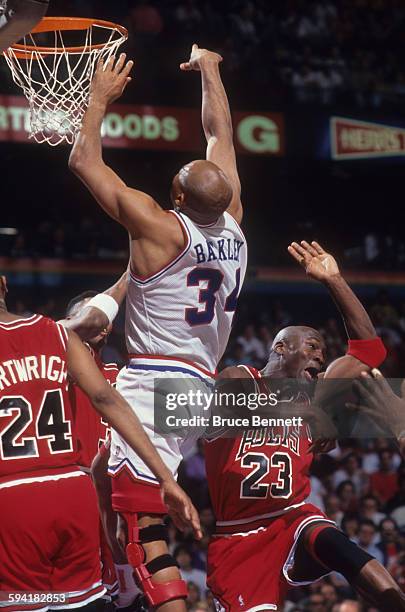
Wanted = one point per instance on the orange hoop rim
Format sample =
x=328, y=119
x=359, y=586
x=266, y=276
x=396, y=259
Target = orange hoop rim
x=64, y=24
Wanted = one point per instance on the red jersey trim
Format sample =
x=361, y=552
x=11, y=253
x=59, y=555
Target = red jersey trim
x=166, y=358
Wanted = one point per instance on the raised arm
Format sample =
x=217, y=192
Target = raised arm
x=117, y=412
x=365, y=349
x=135, y=210
x=91, y=320
x=217, y=121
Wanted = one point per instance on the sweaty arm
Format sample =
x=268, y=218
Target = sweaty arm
x=117, y=412
x=135, y=210
x=217, y=121
x=365, y=349
x=91, y=320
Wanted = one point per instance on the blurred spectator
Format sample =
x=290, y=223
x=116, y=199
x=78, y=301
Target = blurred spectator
x=390, y=545
x=253, y=349
x=347, y=496
x=183, y=558
x=348, y=605
x=315, y=603
x=188, y=15
x=194, y=593
x=366, y=538
x=369, y=509
x=396, y=505
x=384, y=482
x=351, y=470
x=330, y=595
x=350, y=525
x=146, y=19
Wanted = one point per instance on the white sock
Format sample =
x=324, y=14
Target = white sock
x=127, y=585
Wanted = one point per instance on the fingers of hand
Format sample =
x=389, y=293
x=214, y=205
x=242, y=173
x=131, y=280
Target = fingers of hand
x=318, y=248
x=294, y=254
x=194, y=48
x=298, y=253
x=185, y=66
x=127, y=69
x=119, y=64
x=110, y=63
x=310, y=249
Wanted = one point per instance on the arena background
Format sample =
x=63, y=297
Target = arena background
x=320, y=88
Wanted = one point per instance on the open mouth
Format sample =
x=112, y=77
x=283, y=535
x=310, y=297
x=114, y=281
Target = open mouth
x=311, y=373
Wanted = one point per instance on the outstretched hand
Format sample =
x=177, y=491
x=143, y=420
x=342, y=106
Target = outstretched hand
x=380, y=402
x=318, y=264
x=109, y=80
x=180, y=507
x=198, y=56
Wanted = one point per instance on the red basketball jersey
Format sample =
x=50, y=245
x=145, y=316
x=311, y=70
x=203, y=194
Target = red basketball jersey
x=35, y=411
x=90, y=429
x=260, y=473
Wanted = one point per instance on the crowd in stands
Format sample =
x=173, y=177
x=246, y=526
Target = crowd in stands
x=299, y=50
x=86, y=240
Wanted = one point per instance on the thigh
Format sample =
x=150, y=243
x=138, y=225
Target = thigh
x=77, y=566
x=28, y=540
x=138, y=388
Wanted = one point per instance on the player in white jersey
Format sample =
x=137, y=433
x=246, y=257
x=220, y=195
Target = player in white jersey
x=187, y=267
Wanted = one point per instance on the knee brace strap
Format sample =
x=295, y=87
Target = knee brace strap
x=334, y=550
x=153, y=533
x=161, y=562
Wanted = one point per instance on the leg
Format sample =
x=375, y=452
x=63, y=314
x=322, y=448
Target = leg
x=154, y=568
x=322, y=546
x=112, y=550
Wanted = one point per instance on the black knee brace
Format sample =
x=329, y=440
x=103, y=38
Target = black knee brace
x=334, y=550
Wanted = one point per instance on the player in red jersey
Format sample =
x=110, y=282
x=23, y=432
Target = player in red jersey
x=268, y=538
x=92, y=432
x=48, y=543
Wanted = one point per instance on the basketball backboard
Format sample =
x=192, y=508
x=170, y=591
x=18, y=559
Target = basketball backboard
x=17, y=18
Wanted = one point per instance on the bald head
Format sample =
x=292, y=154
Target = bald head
x=294, y=334
x=201, y=190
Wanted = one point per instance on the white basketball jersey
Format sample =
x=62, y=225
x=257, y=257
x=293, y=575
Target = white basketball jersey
x=186, y=309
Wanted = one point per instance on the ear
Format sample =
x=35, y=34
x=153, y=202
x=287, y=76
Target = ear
x=179, y=200
x=3, y=284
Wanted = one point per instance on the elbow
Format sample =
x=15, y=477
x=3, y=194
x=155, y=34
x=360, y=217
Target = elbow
x=76, y=161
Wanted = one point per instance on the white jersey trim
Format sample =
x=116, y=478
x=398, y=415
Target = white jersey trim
x=114, y=470
x=153, y=277
x=291, y=555
x=22, y=481
x=11, y=325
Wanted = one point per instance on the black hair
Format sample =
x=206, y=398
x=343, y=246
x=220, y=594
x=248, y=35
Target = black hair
x=79, y=298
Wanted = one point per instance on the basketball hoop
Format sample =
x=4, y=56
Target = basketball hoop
x=56, y=78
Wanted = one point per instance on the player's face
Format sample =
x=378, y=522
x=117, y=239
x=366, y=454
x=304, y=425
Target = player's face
x=309, y=358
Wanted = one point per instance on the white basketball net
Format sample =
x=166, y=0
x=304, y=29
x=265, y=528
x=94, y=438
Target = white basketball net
x=57, y=84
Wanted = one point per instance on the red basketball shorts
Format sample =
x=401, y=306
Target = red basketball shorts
x=49, y=541
x=249, y=571
x=132, y=495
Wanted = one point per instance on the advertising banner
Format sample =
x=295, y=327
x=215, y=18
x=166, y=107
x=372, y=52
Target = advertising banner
x=158, y=128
